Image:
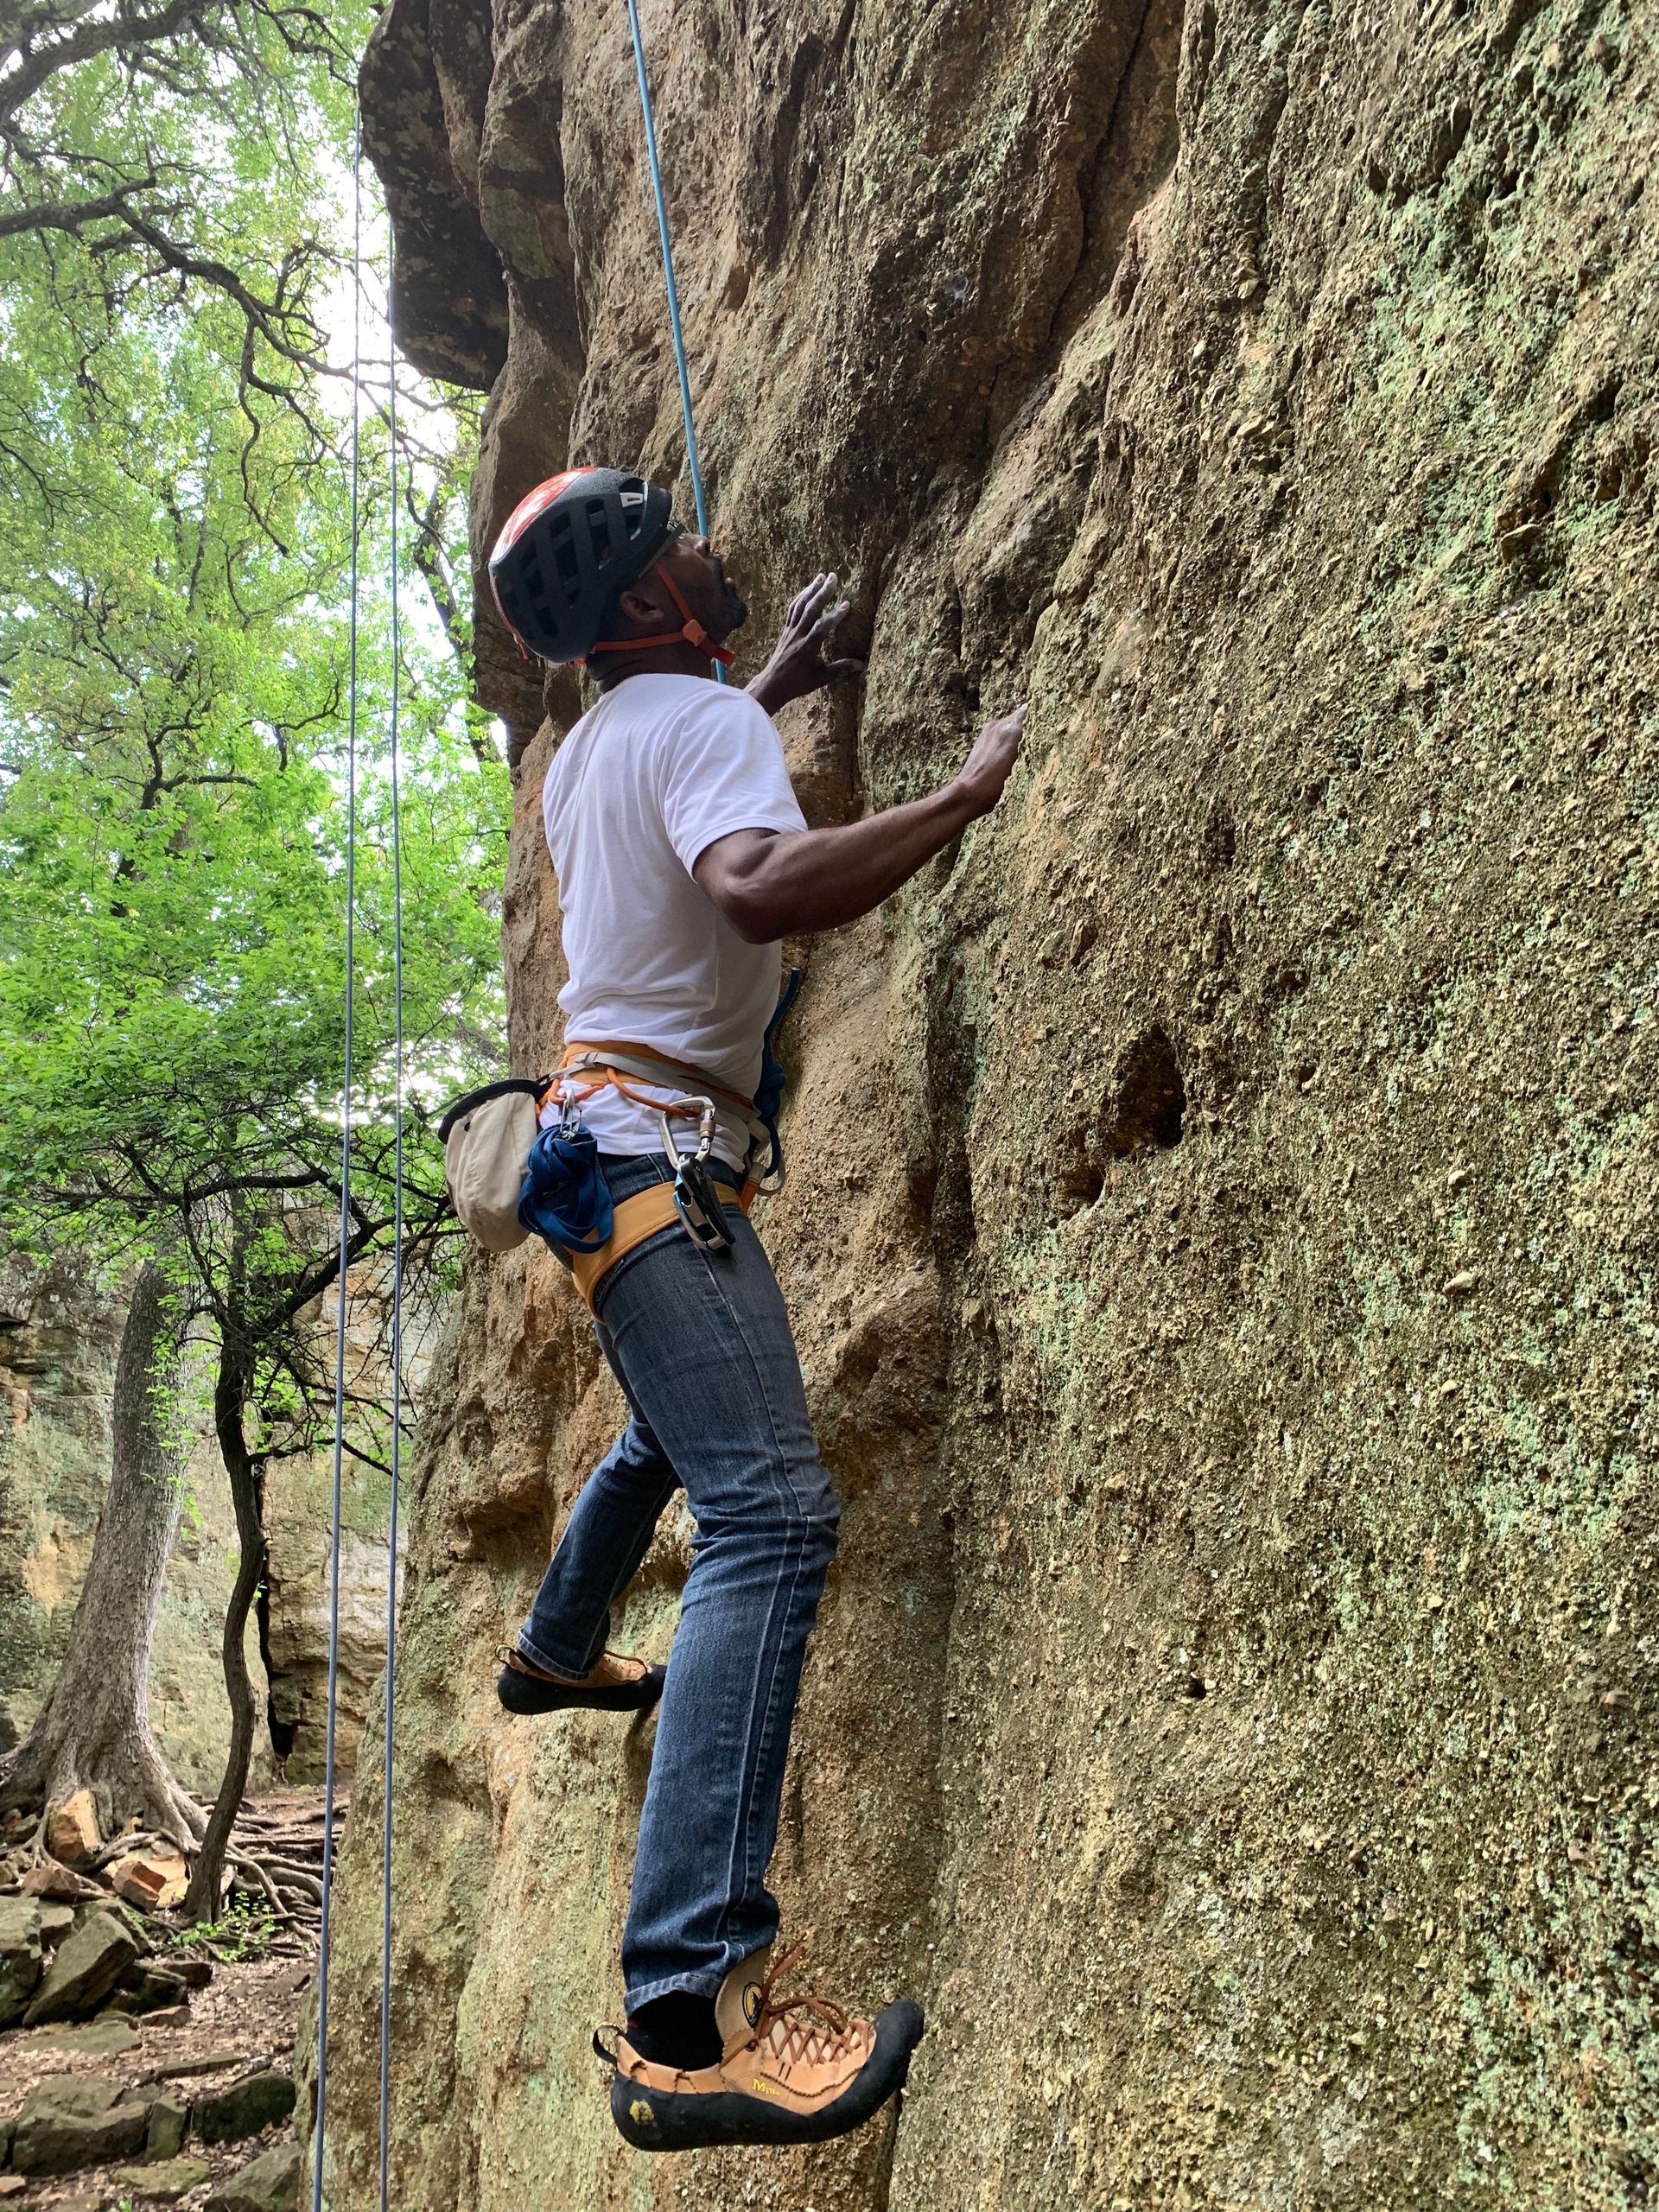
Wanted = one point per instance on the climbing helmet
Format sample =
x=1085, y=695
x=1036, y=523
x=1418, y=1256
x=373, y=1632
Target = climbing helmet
x=565, y=552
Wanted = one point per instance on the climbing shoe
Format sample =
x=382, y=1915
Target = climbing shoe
x=616, y=1685
x=792, y=2069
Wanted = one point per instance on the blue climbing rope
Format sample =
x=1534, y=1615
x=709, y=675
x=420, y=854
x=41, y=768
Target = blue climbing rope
x=691, y=458
x=396, y=1267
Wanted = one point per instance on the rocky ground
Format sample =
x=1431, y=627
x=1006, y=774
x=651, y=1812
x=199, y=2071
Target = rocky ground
x=111, y=2098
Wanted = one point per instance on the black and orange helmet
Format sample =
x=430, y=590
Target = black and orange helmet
x=565, y=552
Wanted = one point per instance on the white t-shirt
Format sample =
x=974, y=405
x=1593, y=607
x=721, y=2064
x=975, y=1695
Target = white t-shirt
x=644, y=783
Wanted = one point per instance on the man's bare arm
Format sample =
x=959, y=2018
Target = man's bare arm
x=771, y=884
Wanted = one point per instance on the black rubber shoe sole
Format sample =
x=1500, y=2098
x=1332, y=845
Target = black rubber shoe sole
x=659, y=2120
x=529, y=1693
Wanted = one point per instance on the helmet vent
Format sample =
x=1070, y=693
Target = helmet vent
x=598, y=527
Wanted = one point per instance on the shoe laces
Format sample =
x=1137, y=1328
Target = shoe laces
x=826, y=2032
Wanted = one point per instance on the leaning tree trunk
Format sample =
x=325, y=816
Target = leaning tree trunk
x=231, y=1386
x=93, y=1731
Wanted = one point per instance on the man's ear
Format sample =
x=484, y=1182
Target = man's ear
x=638, y=606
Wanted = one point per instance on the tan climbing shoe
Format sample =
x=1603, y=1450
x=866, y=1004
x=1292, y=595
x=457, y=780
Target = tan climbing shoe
x=616, y=1685
x=792, y=2069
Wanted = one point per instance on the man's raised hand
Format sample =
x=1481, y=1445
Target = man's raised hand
x=801, y=661
x=985, y=772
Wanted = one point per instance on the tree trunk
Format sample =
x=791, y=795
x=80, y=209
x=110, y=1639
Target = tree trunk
x=93, y=1731
x=231, y=1387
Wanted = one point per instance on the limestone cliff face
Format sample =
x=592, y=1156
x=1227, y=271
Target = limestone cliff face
x=1221, y=1227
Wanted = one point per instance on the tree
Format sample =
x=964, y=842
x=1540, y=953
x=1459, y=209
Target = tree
x=93, y=1731
x=172, y=707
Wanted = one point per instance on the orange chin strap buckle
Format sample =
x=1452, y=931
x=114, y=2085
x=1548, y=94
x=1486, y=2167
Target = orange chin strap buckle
x=691, y=634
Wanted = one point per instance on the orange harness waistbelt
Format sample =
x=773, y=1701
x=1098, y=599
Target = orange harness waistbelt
x=636, y=1218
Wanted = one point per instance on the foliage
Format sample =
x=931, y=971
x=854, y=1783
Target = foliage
x=245, y=1929
x=190, y=683
x=160, y=154
x=174, y=651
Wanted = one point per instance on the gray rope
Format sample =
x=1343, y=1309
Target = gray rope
x=345, y=1201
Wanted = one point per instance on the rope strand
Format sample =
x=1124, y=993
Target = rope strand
x=345, y=1192
x=397, y=1273
x=692, y=461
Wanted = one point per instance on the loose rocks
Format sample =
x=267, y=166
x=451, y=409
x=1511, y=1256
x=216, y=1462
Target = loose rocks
x=168, y=2120
x=171, y=2178
x=245, y=2108
x=72, y=1831
x=88, y=1966
x=51, y=1880
x=271, y=2183
x=74, y=2121
x=20, y=1954
x=110, y=2037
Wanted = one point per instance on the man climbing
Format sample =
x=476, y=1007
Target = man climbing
x=683, y=859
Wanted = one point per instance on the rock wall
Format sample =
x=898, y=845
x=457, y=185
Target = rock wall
x=1221, y=1231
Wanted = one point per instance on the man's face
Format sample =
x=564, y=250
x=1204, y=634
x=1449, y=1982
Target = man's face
x=700, y=575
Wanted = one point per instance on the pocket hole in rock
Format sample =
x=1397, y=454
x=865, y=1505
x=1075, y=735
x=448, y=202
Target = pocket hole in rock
x=1147, y=1100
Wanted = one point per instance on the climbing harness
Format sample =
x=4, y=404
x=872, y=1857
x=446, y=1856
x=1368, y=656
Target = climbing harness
x=387, y=1823
x=692, y=461
x=566, y=1199
x=510, y=1177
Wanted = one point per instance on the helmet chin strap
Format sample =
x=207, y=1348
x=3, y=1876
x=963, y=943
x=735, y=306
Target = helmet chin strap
x=691, y=634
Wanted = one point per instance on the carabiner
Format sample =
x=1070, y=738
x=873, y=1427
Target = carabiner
x=695, y=1199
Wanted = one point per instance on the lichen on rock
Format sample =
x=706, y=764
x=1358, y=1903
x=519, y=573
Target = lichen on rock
x=1221, y=1231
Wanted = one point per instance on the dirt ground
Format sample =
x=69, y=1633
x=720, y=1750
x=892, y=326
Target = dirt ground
x=244, y=2020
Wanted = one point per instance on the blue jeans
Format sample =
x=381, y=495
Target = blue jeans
x=701, y=1345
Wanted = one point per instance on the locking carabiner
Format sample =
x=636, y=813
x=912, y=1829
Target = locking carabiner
x=695, y=1199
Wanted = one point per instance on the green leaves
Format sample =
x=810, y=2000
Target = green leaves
x=174, y=709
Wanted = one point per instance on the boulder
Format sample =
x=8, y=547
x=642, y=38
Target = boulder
x=169, y=2179
x=227, y=2115
x=20, y=1955
x=12, y=2184
x=269, y=2183
x=72, y=1830
x=135, y=1923
x=87, y=1966
x=154, y=1881
x=168, y=2118
x=76, y=2120
x=50, y=1880
x=109, y=2037
x=56, y=1919
x=146, y=1988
